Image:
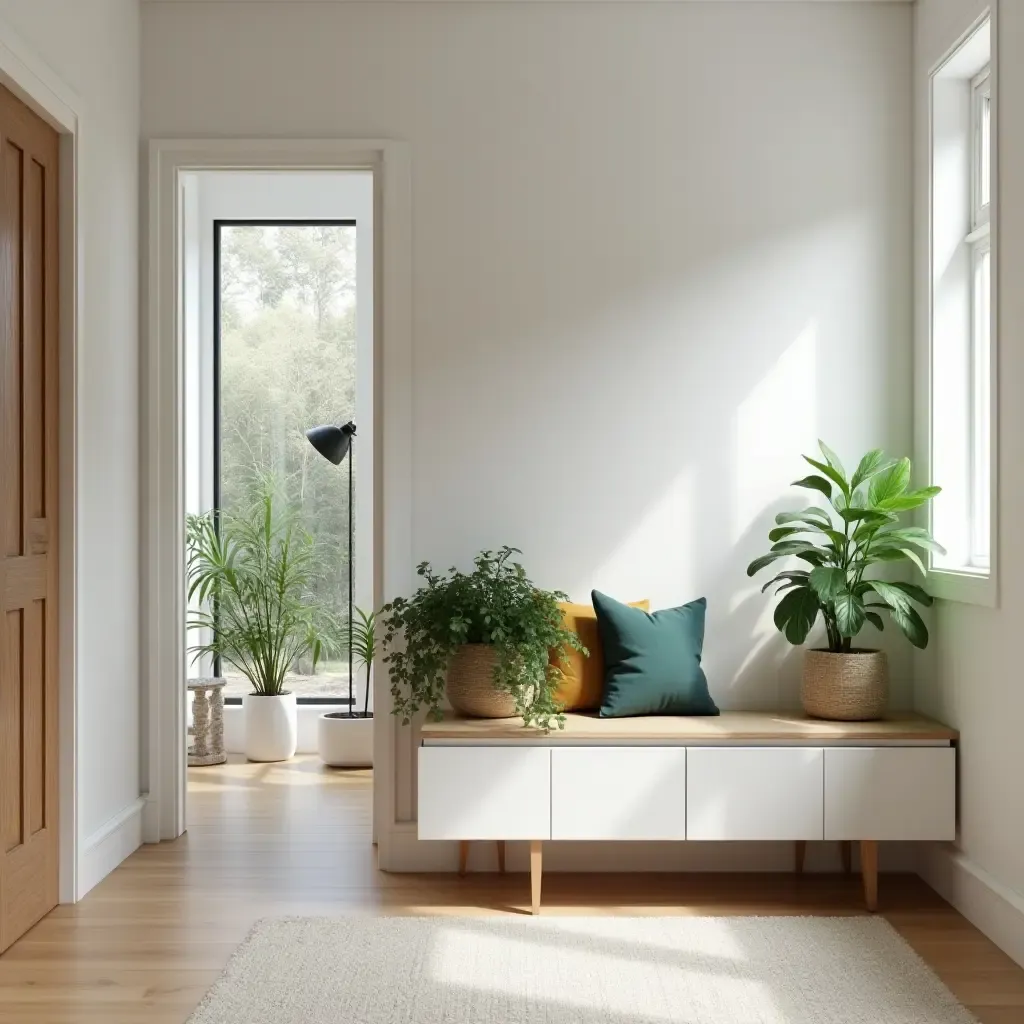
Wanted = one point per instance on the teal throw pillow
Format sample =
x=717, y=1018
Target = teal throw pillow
x=652, y=660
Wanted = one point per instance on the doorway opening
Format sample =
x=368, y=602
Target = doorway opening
x=277, y=284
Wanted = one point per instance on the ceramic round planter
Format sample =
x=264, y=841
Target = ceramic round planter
x=851, y=687
x=271, y=726
x=344, y=742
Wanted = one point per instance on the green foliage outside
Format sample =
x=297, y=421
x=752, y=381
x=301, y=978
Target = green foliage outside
x=860, y=531
x=494, y=604
x=288, y=362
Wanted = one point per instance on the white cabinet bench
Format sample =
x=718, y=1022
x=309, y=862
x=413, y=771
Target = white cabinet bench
x=740, y=776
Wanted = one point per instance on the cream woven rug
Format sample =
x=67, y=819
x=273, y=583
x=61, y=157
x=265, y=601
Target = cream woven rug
x=577, y=970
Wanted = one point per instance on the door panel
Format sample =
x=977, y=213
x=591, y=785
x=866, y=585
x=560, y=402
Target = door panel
x=28, y=523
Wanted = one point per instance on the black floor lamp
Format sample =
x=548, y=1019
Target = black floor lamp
x=334, y=443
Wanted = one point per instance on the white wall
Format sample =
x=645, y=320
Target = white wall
x=970, y=676
x=658, y=250
x=94, y=48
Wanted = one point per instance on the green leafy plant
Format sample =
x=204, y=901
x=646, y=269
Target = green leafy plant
x=858, y=532
x=364, y=647
x=253, y=576
x=494, y=604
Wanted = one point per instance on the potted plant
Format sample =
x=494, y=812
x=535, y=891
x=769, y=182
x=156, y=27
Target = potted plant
x=253, y=577
x=859, y=532
x=345, y=738
x=484, y=637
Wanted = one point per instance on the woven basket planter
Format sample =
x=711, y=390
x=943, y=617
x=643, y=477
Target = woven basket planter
x=850, y=687
x=470, y=686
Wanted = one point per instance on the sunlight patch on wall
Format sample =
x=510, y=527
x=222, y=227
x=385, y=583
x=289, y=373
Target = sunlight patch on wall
x=774, y=423
x=656, y=559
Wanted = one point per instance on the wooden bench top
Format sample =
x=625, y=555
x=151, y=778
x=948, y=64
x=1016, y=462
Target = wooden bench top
x=730, y=726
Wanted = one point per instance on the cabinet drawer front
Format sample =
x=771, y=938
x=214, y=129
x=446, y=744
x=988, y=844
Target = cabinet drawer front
x=890, y=793
x=754, y=793
x=618, y=793
x=484, y=793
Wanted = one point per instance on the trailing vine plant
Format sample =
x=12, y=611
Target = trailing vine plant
x=495, y=604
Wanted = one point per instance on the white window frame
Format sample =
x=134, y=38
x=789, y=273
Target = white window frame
x=971, y=575
x=981, y=94
x=980, y=468
x=224, y=196
x=980, y=240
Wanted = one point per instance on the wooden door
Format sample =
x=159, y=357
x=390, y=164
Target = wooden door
x=28, y=518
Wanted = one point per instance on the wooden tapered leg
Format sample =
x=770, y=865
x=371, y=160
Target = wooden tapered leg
x=846, y=852
x=869, y=870
x=800, y=854
x=536, y=869
x=463, y=856
x=501, y=855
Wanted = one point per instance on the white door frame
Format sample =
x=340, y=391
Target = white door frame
x=35, y=83
x=163, y=498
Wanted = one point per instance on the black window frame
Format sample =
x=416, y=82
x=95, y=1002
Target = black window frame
x=252, y=222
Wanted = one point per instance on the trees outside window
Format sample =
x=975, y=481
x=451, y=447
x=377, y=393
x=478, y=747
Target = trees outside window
x=286, y=360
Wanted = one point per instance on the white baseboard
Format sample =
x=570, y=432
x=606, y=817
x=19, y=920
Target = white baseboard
x=988, y=904
x=400, y=851
x=150, y=819
x=109, y=845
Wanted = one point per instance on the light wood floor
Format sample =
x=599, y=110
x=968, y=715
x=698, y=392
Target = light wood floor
x=294, y=838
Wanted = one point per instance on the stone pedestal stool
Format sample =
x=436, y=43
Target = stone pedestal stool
x=207, y=728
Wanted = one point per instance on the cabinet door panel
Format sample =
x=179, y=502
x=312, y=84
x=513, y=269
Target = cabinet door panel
x=484, y=793
x=890, y=793
x=618, y=793
x=754, y=793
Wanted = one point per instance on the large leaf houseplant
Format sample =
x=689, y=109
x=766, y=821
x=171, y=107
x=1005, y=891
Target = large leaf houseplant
x=844, y=546
x=252, y=577
x=484, y=637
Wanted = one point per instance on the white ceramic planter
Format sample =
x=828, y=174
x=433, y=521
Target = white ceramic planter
x=271, y=727
x=345, y=742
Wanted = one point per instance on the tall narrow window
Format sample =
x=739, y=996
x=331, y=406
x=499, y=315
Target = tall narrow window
x=962, y=281
x=981, y=321
x=285, y=359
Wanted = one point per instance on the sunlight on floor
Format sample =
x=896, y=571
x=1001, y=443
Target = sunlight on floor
x=617, y=957
x=303, y=771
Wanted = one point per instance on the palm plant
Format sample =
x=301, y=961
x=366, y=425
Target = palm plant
x=860, y=531
x=253, y=576
x=364, y=647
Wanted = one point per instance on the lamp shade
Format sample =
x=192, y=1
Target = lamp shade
x=333, y=443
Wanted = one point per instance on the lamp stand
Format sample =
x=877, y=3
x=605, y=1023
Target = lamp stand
x=351, y=573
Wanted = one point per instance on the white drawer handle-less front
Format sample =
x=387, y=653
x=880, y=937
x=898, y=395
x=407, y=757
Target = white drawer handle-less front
x=484, y=793
x=750, y=793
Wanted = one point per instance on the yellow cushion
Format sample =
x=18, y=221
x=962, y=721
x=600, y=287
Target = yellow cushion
x=582, y=677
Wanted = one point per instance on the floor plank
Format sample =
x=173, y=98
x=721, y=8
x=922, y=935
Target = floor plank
x=269, y=840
